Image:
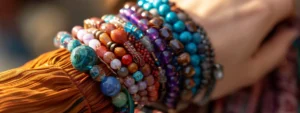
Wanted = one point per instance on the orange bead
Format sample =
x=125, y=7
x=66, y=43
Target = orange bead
x=118, y=36
x=133, y=67
x=119, y=51
x=107, y=27
x=104, y=39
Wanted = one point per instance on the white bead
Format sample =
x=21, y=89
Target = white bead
x=115, y=64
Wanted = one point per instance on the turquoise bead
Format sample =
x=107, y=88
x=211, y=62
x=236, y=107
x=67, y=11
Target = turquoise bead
x=147, y=6
x=95, y=72
x=73, y=44
x=197, y=71
x=110, y=86
x=195, y=60
x=156, y=3
x=65, y=39
x=119, y=100
x=128, y=27
x=171, y=17
x=178, y=26
x=138, y=34
x=185, y=37
x=191, y=48
x=165, y=1
x=175, y=35
x=197, y=38
x=83, y=58
x=138, y=76
x=164, y=9
x=140, y=3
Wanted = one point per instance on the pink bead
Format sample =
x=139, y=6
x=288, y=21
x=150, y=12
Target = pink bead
x=75, y=30
x=108, y=57
x=101, y=51
x=115, y=64
x=87, y=38
x=80, y=34
x=133, y=89
x=94, y=43
x=142, y=85
x=129, y=81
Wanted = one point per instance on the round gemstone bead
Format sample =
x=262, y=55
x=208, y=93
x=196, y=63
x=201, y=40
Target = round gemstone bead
x=189, y=71
x=163, y=9
x=171, y=17
x=119, y=36
x=108, y=57
x=147, y=6
x=197, y=38
x=94, y=43
x=185, y=37
x=110, y=86
x=119, y=51
x=142, y=85
x=129, y=81
x=97, y=73
x=127, y=59
x=75, y=30
x=183, y=59
x=133, y=67
x=195, y=60
x=191, y=48
x=101, y=51
x=178, y=26
x=146, y=70
x=80, y=34
x=119, y=100
x=197, y=71
x=73, y=44
x=65, y=39
x=133, y=89
x=83, y=58
x=168, y=26
x=87, y=37
x=104, y=38
x=149, y=80
x=115, y=64
x=107, y=27
x=123, y=72
x=138, y=76
x=156, y=3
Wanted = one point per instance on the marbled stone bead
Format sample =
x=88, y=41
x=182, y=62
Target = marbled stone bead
x=115, y=64
x=152, y=33
x=119, y=100
x=80, y=34
x=108, y=57
x=183, y=59
x=176, y=46
x=87, y=37
x=127, y=59
x=65, y=39
x=146, y=70
x=107, y=27
x=166, y=33
x=118, y=36
x=178, y=26
x=142, y=85
x=189, y=71
x=123, y=72
x=119, y=51
x=133, y=67
x=110, y=86
x=160, y=44
x=73, y=44
x=97, y=73
x=149, y=80
x=138, y=76
x=129, y=81
x=133, y=89
x=94, y=43
x=83, y=58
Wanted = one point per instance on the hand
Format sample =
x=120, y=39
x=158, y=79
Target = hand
x=236, y=29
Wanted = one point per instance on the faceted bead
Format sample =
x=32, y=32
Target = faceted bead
x=83, y=58
x=80, y=34
x=166, y=33
x=134, y=18
x=138, y=76
x=107, y=27
x=146, y=14
x=191, y=48
x=152, y=33
x=156, y=22
x=191, y=26
x=195, y=60
x=87, y=37
x=146, y=69
x=147, y=43
x=142, y=85
x=119, y=36
x=119, y=51
x=108, y=57
x=197, y=38
x=97, y=73
x=143, y=92
x=75, y=30
x=127, y=59
x=171, y=70
x=164, y=9
x=123, y=72
x=171, y=17
x=104, y=38
x=115, y=64
x=129, y=81
x=176, y=46
x=94, y=43
x=73, y=44
x=136, y=97
x=185, y=37
x=133, y=89
x=128, y=27
x=166, y=57
x=150, y=80
x=189, y=71
x=138, y=34
x=178, y=26
x=133, y=67
x=183, y=59
x=160, y=44
x=101, y=51
x=143, y=24
x=110, y=86
x=119, y=100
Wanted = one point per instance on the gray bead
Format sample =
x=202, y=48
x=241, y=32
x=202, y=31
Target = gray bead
x=123, y=72
x=147, y=43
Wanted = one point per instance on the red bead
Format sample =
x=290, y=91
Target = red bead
x=127, y=59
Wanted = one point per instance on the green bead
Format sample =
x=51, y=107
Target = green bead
x=73, y=44
x=119, y=100
x=83, y=58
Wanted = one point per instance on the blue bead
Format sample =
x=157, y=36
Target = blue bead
x=179, y=26
x=83, y=58
x=165, y=1
x=156, y=3
x=171, y=17
x=164, y=9
x=194, y=90
x=138, y=76
x=191, y=48
x=140, y=3
x=147, y=6
x=128, y=27
x=185, y=37
x=195, y=60
x=197, y=38
x=168, y=26
x=110, y=86
x=197, y=71
x=73, y=44
x=138, y=34
x=175, y=35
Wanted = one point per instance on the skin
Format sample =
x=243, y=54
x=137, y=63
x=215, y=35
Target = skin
x=237, y=29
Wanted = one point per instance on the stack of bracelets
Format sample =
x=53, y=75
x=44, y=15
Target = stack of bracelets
x=153, y=52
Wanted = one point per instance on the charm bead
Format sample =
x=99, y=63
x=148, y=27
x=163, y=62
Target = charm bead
x=73, y=44
x=119, y=100
x=110, y=86
x=138, y=76
x=83, y=58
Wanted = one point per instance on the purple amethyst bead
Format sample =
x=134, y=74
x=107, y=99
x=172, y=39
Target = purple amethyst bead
x=170, y=70
x=160, y=44
x=143, y=24
x=126, y=12
x=134, y=18
x=166, y=57
x=152, y=33
x=142, y=85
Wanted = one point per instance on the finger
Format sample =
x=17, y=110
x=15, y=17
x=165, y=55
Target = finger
x=282, y=8
x=273, y=51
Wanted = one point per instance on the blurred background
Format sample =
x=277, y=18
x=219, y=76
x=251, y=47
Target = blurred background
x=27, y=27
